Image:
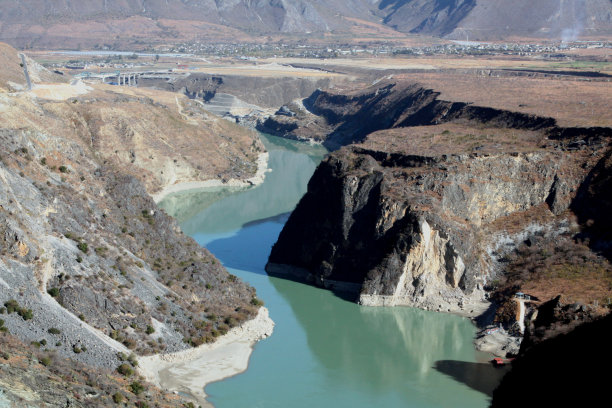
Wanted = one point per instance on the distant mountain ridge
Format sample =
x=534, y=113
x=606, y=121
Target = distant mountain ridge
x=38, y=22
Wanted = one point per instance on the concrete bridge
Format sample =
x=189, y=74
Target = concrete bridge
x=130, y=78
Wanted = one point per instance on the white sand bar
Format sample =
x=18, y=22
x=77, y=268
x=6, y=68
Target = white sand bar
x=189, y=371
x=258, y=178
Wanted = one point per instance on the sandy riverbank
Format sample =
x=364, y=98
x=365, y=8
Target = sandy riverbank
x=189, y=371
x=258, y=178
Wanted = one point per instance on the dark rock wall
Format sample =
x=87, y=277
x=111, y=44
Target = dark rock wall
x=417, y=230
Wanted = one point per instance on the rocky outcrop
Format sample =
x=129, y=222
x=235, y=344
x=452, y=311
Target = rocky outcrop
x=567, y=362
x=263, y=92
x=554, y=318
x=337, y=118
x=415, y=229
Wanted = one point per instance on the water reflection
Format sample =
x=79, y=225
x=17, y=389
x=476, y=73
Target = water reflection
x=325, y=351
x=291, y=164
x=380, y=349
x=187, y=204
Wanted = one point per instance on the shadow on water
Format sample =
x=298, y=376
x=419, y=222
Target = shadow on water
x=248, y=248
x=482, y=377
x=280, y=219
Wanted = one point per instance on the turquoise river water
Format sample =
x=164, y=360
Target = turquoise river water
x=325, y=351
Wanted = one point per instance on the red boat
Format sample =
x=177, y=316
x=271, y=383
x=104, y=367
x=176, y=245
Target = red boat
x=500, y=362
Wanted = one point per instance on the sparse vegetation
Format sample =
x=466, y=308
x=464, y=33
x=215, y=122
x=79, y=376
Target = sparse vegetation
x=118, y=398
x=125, y=370
x=46, y=361
x=257, y=302
x=63, y=376
x=136, y=387
x=548, y=266
x=13, y=306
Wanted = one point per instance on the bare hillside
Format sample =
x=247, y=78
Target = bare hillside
x=88, y=23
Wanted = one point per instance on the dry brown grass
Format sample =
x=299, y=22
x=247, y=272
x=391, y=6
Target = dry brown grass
x=453, y=138
x=157, y=136
x=573, y=102
x=552, y=266
x=11, y=70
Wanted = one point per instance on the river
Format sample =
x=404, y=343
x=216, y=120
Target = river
x=325, y=351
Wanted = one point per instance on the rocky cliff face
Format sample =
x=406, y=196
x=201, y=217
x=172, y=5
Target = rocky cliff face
x=339, y=117
x=415, y=230
x=425, y=215
x=567, y=362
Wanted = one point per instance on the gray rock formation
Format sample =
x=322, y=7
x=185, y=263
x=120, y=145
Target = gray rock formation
x=418, y=230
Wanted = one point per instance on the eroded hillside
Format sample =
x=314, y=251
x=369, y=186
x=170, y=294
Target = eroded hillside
x=89, y=266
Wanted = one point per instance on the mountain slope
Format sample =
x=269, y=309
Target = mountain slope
x=48, y=23
x=88, y=263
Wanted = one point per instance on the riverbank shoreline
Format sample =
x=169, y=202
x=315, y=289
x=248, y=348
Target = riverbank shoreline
x=189, y=371
x=258, y=178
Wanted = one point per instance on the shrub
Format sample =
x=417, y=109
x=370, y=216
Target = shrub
x=132, y=360
x=125, y=370
x=83, y=247
x=54, y=292
x=54, y=330
x=26, y=314
x=46, y=361
x=129, y=343
x=136, y=387
x=118, y=398
x=11, y=306
x=63, y=169
x=76, y=349
x=256, y=302
x=82, y=317
x=150, y=329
